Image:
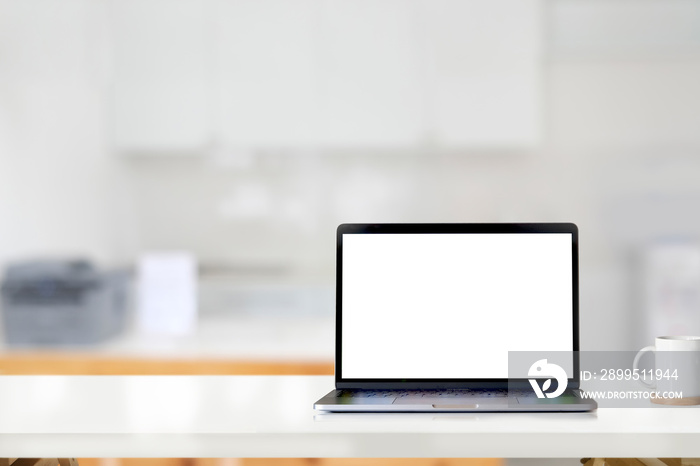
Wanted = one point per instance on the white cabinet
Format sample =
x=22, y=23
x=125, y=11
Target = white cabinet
x=369, y=74
x=326, y=73
x=267, y=79
x=161, y=93
x=483, y=59
x=310, y=73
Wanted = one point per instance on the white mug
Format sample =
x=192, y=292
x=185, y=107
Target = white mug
x=676, y=369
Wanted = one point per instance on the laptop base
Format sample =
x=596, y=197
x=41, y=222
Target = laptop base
x=484, y=401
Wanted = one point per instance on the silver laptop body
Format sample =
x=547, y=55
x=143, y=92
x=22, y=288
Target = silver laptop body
x=426, y=315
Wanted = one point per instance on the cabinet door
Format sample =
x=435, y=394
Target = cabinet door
x=267, y=73
x=162, y=75
x=325, y=73
x=371, y=92
x=317, y=73
x=483, y=59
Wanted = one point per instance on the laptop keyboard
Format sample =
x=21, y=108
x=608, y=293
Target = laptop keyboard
x=446, y=393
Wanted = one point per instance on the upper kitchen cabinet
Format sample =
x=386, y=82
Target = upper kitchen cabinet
x=317, y=73
x=483, y=62
x=370, y=87
x=267, y=80
x=162, y=73
x=298, y=74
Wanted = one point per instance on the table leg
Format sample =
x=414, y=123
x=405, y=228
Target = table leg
x=67, y=462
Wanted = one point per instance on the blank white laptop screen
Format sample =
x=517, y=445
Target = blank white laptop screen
x=444, y=306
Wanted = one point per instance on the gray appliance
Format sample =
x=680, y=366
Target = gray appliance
x=61, y=302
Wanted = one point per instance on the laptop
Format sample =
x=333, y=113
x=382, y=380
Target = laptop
x=428, y=315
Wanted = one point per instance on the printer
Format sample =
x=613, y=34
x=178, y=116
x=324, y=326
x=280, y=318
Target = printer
x=61, y=302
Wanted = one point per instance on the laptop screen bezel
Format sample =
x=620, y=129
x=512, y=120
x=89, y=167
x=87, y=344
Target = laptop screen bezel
x=448, y=228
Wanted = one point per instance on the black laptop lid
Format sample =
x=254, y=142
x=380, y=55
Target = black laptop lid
x=441, y=305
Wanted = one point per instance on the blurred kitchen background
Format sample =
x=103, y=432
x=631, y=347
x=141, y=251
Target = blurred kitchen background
x=197, y=155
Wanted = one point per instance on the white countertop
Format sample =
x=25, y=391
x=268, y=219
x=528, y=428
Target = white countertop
x=272, y=416
x=274, y=337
